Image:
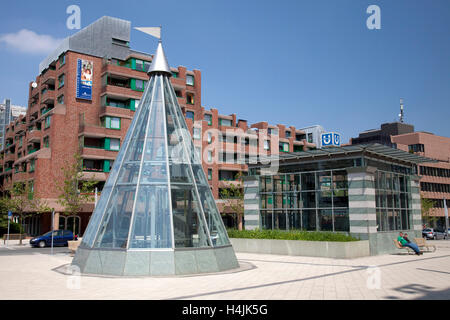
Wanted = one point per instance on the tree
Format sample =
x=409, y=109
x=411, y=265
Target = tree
x=233, y=198
x=24, y=203
x=74, y=192
x=427, y=205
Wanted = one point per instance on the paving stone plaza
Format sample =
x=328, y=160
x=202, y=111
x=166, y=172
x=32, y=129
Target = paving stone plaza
x=27, y=273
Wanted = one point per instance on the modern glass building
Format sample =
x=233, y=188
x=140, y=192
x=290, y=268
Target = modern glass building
x=156, y=214
x=368, y=191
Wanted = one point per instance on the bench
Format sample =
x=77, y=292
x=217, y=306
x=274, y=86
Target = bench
x=421, y=243
x=14, y=236
x=399, y=246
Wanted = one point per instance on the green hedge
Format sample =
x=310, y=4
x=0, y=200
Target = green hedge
x=290, y=235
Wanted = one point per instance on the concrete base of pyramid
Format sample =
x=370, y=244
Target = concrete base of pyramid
x=155, y=262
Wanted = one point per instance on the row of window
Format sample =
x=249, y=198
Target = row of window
x=435, y=172
x=439, y=203
x=307, y=219
x=435, y=187
x=416, y=148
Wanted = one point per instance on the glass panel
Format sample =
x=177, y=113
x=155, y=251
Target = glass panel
x=325, y=220
x=397, y=224
x=294, y=218
x=213, y=219
x=279, y=220
x=324, y=199
x=383, y=220
x=324, y=180
x=341, y=220
x=155, y=149
x=266, y=220
x=405, y=219
x=189, y=229
x=151, y=222
x=308, y=200
x=91, y=230
x=340, y=180
x=340, y=198
x=113, y=232
x=390, y=220
x=308, y=181
x=153, y=173
x=309, y=220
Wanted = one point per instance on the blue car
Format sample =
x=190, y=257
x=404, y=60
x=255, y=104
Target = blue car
x=60, y=238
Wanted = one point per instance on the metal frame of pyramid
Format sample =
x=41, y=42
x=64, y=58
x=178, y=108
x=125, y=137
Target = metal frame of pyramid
x=156, y=214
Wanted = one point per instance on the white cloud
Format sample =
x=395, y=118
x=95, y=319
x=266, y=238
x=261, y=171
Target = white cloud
x=28, y=41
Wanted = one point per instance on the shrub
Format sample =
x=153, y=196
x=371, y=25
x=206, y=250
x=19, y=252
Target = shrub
x=290, y=235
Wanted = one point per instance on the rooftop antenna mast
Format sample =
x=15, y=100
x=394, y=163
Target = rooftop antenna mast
x=401, y=110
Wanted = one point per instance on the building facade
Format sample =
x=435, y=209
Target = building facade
x=434, y=176
x=370, y=192
x=84, y=101
x=8, y=113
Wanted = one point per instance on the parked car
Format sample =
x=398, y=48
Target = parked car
x=436, y=234
x=60, y=238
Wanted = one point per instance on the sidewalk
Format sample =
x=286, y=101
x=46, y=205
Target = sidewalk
x=36, y=276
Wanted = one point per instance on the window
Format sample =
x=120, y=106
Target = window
x=178, y=93
x=62, y=60
x=190, y=80
x=32, y=165
x=114, y=144
x=416, y=148
x=111, y=123
x=208, y=117
x=46, y=142
x=209, y=137
x=198, y=150
x=60, y=99
x=209, y=174
x=225, y=122
x=190, y=115
x=284, y=146
x=197, y=133
x=209, y=156
x=310, y=137
x=266, y=144
x=139, y=85
x=189, y=98
x=47, y=122
x=287, y=133
x=61, y=80
x=272, y=131
x=120, y=42
x=174, y=74
x=139, y=65
x=147, y=66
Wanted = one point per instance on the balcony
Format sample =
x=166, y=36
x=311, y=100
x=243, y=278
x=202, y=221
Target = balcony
x=10, y=157
x=34, y=136
x=92, y=130
x=9, y=134
x=48, y=77
x=116, y=112
x=20, y=176
x=98, y=153
x=48, y=96
x=33, y=150
x=21, y=127
x=126, y=71
x=112, y=90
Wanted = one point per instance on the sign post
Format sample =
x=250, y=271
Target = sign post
x=53, y=225
x=9, y=219
x=446, y=217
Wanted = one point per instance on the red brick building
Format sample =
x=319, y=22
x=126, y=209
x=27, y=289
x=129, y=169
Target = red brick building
x=58, y=123
x=435, y=176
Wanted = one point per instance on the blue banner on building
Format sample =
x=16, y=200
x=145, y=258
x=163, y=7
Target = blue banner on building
x=85, y=75
x=331, y=139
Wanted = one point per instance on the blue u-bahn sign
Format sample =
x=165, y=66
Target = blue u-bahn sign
x=330, y=139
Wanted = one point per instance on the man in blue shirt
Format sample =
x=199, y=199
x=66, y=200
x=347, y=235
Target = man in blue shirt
x=411, y=245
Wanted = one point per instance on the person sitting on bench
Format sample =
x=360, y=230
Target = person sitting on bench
x=411, y=245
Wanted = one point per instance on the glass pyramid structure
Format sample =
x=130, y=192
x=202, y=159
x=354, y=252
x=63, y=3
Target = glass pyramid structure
x=156, y=214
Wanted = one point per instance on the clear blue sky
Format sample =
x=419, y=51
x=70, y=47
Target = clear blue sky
x=300, y=62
